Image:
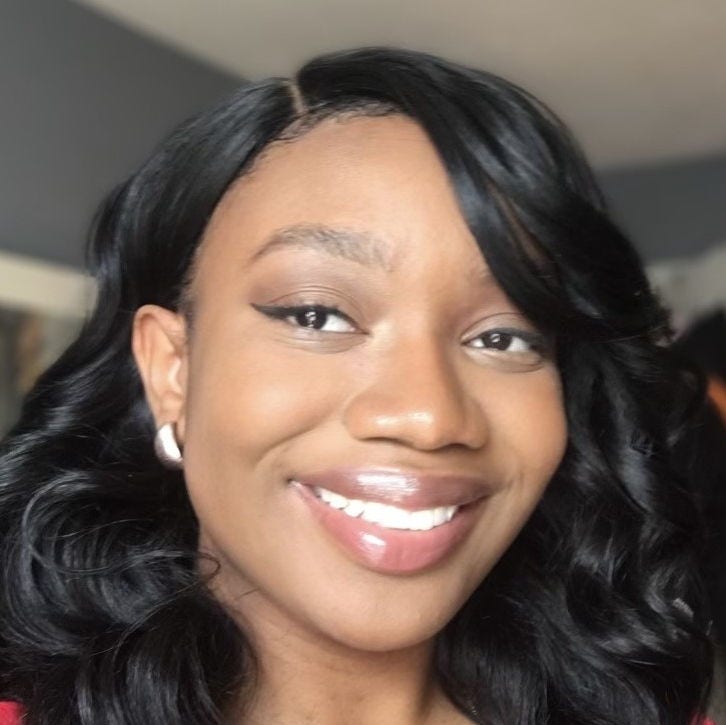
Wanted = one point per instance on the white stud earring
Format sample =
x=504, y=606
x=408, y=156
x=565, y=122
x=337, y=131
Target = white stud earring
x=167, y=448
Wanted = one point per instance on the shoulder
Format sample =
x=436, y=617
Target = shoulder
x=10, y=713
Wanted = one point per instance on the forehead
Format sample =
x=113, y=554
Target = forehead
x=368, y=189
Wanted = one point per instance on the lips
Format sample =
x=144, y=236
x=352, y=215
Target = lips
x=390, y=520
x=400, y=488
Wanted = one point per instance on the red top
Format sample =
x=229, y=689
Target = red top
x=11, y=714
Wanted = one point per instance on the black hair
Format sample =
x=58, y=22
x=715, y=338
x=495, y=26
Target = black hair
x=703, y=344
x=594, y=615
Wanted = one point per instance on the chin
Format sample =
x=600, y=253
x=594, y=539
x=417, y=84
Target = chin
x=387, y=628
x=384, y=637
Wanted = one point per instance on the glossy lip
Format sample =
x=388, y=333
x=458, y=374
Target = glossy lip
x=411, y=490
x=395, y=551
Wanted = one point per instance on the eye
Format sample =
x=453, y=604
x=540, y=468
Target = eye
x=322, y=318
x=503, y=340
x=521, y=345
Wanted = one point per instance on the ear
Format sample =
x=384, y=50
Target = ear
x=159, y=345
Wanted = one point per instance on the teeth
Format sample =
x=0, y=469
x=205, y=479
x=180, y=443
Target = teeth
x=389, y=517
x=334, y=499
x=440, y=516
x=422, y=520
x=354, y=508
x=373, y=512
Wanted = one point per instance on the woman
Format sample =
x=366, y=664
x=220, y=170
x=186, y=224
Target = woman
x=413, y=420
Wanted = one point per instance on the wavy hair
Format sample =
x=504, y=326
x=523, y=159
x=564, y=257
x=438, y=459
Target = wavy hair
x=595, y=615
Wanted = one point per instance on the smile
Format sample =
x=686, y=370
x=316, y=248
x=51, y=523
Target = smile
x=390, y=522
x=385, y=515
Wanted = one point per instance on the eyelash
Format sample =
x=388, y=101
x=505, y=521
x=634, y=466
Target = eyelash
x=282, y=312
x=536, y=342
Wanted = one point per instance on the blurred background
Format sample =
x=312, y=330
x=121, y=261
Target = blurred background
x=90, y=86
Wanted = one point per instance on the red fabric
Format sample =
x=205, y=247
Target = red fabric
x=10, y=713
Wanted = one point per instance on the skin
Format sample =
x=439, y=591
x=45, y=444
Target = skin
x=256, y=399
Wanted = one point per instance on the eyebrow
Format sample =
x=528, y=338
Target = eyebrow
x=354, y=246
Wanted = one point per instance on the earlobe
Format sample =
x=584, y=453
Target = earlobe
x=159, y=344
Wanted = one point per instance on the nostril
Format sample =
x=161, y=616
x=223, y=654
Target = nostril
x=428, y=429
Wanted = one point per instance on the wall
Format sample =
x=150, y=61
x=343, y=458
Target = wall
x=82, y=101
x=674, y=209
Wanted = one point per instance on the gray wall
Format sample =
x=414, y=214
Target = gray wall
x=84, y=100
x=672, y=209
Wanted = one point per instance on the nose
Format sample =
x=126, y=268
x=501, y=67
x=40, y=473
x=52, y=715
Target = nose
x=417, y=398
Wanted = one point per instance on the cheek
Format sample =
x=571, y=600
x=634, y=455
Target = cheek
x=528, y=435
x=247, y=404
x=529, y=430
x=251, y=399
x=531, y=415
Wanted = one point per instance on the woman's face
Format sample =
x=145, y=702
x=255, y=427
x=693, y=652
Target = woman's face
x=426, y=391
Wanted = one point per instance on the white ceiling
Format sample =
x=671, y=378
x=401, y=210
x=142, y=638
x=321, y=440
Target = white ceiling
x=638, y=80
